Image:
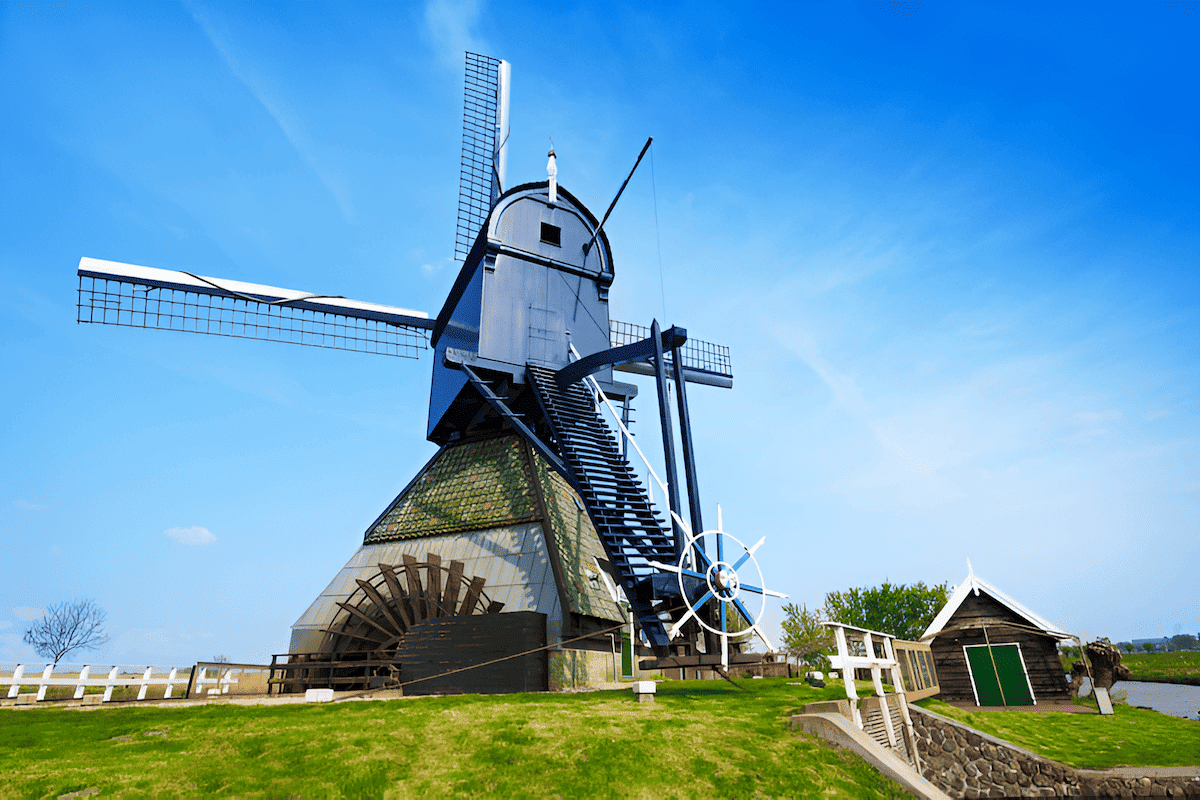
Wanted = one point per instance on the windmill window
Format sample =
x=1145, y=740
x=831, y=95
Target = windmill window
x=552, y=234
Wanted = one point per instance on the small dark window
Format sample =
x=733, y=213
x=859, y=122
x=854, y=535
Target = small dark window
x=552, y=234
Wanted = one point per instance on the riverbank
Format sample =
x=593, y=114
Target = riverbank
x=1178, y=668
x=1178, y=681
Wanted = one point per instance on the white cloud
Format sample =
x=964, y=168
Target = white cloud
x=5, y=624
x=448, y=25
x=28, y=506
x=195, y=535
x=268, y=96
x=433, y=270
x=1094, y=423
x=28, y=614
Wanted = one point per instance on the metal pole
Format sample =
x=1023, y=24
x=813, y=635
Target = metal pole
x=693, y=486
x=664, y=415
x=685, y=435
x=626, y=410
x=613, y=204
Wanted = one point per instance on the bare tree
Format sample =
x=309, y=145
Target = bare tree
x=67, y=627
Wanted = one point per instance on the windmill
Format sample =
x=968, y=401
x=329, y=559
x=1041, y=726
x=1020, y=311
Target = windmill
x=524, y=355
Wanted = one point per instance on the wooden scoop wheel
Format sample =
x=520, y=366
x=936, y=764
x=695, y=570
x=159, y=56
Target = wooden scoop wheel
x=377, y=615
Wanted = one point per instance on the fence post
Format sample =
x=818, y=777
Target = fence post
x=145, y=683
x=170, y=683
x=112, y=678
x=45, y=677
x=83, y=674
x=15, y=689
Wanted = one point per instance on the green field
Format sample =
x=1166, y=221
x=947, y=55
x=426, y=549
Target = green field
x=1135, y=737
x=699, y=739
x=1166, y=667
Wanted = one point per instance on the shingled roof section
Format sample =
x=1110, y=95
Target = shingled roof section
x=579, y=549
x=470, y=486
x=487, y=484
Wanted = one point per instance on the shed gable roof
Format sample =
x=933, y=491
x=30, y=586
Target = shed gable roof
x=975, y=584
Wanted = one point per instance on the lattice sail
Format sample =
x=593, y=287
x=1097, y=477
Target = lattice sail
x=703, y=362
x=485, y=131
x=144, y=297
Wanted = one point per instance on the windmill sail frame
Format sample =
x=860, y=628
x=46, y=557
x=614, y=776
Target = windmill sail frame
x=484, y=146
x=112, y=293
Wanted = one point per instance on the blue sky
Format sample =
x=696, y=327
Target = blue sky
x=953, y=249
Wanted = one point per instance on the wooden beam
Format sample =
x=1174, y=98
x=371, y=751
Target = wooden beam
x=393, y=584
x=454, y=583
x=434, y=581
x=416, y=592
x=381, y=604
x=473, y=593
x=366, y=619
x=339, y=633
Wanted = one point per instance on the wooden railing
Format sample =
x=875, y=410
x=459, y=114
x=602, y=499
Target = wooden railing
x=859, y=648
x=214, y=678
x=303, y=671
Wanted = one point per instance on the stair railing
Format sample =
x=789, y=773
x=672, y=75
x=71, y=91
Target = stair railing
x=629, y=438
x=847, y=662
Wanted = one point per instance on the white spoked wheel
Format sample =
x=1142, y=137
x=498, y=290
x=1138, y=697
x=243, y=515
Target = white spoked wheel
x=732, y=578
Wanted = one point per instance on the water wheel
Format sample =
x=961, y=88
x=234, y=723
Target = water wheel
x=375, y=617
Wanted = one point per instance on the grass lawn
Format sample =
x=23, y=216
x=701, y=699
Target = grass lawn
x=1169, y=667
x=699, y=739
x=1135, y=737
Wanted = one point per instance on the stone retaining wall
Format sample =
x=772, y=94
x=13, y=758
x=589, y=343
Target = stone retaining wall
x=966, y=763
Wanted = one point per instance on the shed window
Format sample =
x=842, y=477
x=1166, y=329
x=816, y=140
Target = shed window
x=552, y=234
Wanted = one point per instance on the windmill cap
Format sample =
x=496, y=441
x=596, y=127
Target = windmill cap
x=551, y=152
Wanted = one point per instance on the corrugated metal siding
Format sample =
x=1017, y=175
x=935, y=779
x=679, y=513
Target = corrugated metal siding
x=507, y=582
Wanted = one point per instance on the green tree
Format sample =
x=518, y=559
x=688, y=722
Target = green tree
x=1126, y=646
x=903, y=611
x=740, y=637
x=1183, y=641
x=804, y=637
x=1148, y=647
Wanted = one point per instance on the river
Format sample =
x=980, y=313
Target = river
x=1166, y=698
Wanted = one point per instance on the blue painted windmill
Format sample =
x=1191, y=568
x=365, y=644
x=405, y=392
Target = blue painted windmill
x=523, y=343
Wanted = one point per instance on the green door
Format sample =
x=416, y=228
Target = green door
x=1012, y=688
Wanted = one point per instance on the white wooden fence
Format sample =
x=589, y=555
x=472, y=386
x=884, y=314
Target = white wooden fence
x=89, y=675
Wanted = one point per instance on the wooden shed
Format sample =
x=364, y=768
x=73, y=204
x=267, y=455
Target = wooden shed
x=991, y=650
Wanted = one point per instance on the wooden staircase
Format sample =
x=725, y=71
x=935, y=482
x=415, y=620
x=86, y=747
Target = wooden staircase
x=631, y=530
